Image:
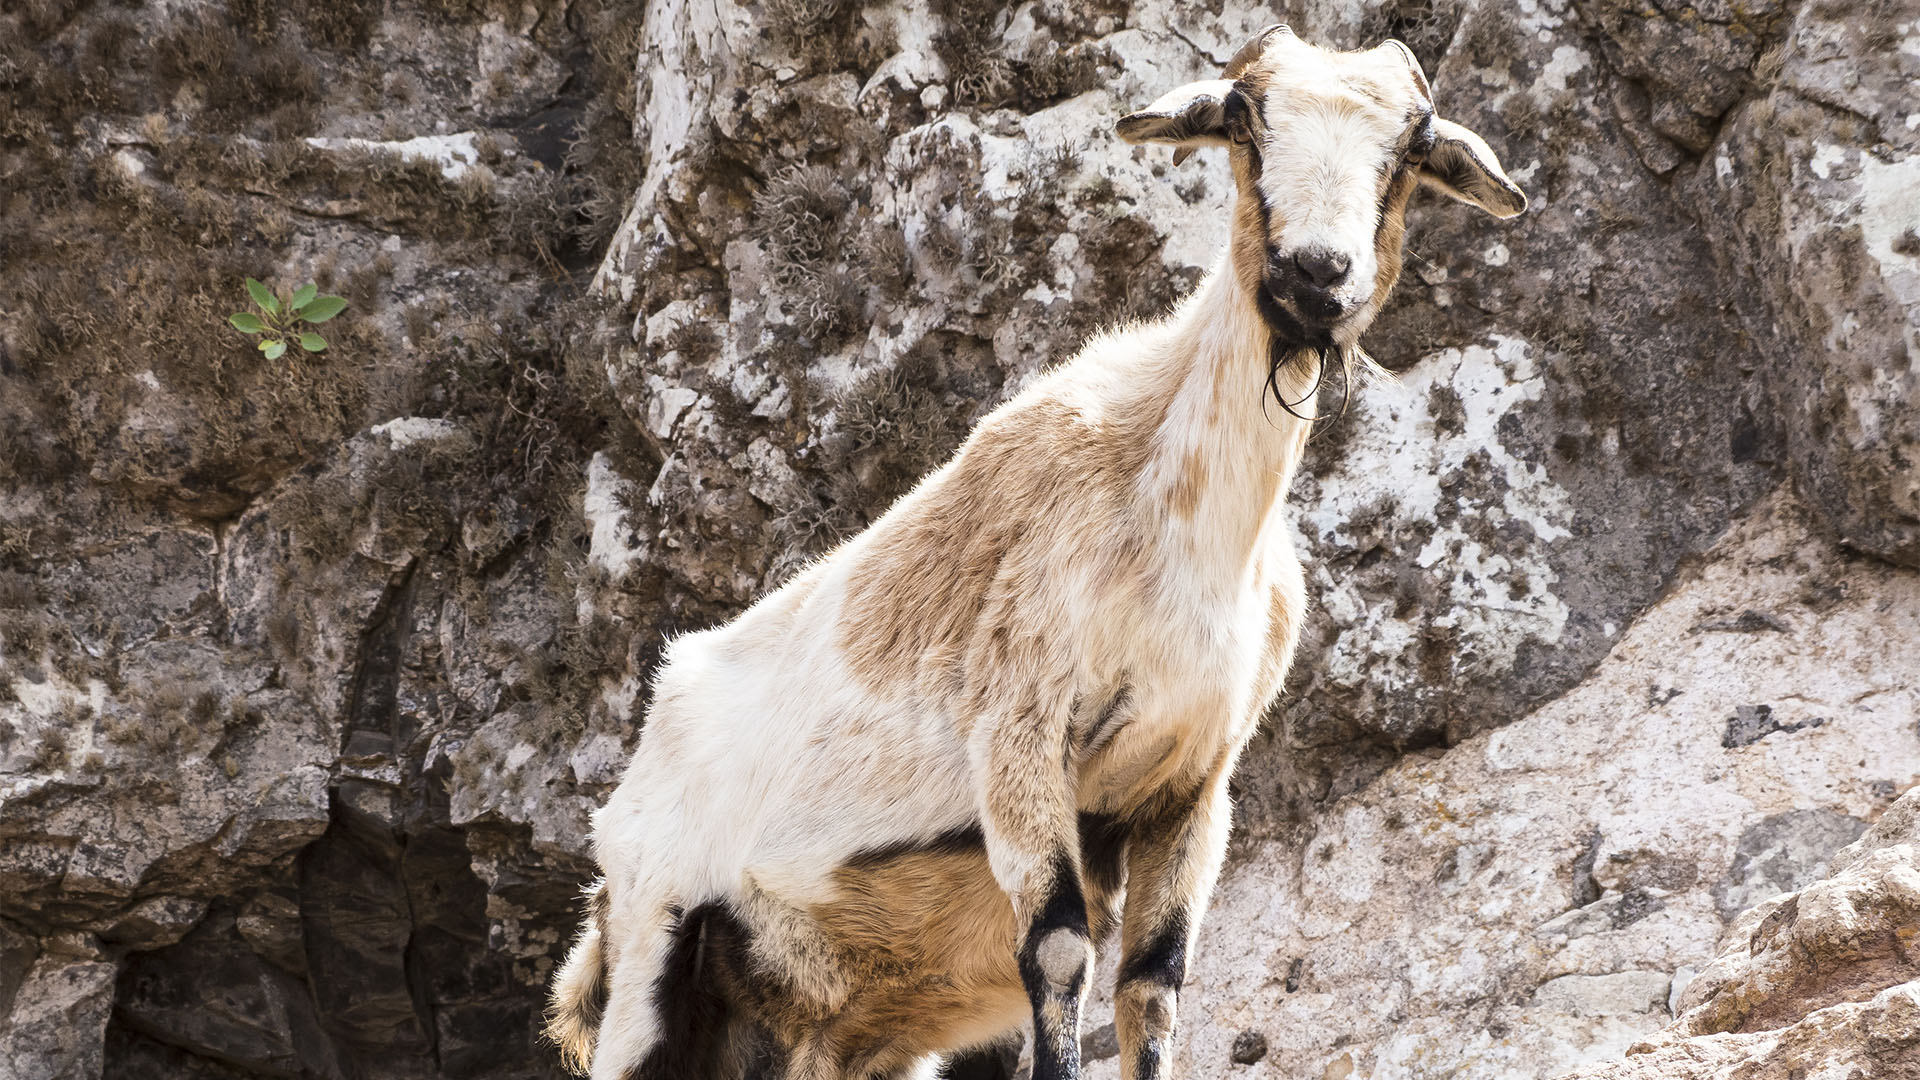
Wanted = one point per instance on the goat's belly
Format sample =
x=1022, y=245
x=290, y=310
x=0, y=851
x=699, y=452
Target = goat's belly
x=915, y=951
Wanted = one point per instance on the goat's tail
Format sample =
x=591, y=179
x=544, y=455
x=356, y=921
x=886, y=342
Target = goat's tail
x=579, y=994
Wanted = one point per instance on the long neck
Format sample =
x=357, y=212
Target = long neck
x=1222, y=458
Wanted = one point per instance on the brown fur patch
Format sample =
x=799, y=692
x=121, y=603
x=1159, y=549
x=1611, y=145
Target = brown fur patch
x=1286, y=609
x=1388, y=240
x=1189, y=485
x=929, y=939
x=1033, y=480
x=926, y=942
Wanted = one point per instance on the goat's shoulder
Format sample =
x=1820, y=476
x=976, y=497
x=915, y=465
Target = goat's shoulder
x=1044, y=485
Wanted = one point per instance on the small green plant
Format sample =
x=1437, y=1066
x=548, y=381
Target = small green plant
x=280, y=321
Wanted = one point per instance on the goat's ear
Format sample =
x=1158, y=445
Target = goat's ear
x=1462, y=165
x=1188, y=118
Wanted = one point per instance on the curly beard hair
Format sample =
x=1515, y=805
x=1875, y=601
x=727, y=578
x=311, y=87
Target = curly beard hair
x=1351, y=360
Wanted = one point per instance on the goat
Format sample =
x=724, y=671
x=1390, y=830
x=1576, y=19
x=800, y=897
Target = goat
x=885, y=814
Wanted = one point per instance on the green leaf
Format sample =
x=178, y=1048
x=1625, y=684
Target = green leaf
x=264, y=344
x=323, y=308
x=263, y=296
x=312, y=342
x=246, y=322
x=304, y=295
x=276, y=350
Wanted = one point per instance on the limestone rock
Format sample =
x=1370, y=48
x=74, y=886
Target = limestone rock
x=1821, y=981
x=1542, y=896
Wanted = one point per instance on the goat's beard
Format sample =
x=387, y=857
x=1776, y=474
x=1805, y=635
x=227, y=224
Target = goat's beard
x=1351, y=360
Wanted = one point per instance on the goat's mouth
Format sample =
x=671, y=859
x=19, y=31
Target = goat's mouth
x=1308, y=321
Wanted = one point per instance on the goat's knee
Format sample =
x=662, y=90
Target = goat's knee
x=1150, y=1009
x=1055, y=960
x=1147, y=1001
x=1063, y=957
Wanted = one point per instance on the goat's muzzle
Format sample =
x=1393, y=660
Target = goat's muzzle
x=1309, y=286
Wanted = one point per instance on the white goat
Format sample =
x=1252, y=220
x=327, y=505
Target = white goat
x=885, y=814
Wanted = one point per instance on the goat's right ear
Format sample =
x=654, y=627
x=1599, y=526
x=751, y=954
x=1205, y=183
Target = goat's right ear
x=1189, y=118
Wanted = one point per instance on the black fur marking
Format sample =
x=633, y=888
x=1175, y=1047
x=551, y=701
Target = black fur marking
x=1290, y=335
x=1103, y=851
x=693, y=1010
x=1162, y=960
x=1146, y=1064
x=963, y=840
x=1056, y=1055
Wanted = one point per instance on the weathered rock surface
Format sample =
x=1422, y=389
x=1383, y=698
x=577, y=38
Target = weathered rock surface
x=310, y=672
x=1821, y=981
x=1567, y=874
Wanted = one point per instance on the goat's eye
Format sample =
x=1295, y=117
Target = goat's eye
x=1237, y=131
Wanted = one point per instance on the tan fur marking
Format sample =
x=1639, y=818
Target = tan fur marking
x=1191, y=485
x=1028, y=480
x=928, y=940
x=1248, y=241
x=1389, y=241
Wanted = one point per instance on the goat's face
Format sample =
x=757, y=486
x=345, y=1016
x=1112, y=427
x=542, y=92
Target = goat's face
x=1327, y=147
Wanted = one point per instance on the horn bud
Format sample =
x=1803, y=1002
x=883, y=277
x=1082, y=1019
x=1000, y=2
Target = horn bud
x=1251, y=51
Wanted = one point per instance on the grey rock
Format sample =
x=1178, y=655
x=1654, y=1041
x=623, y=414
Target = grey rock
x=155, y=922
x=1751, y=723
x=1101, y=1043
x=213, y=997
x=1781, y=853
x=59, y=1013
x=1814, y=979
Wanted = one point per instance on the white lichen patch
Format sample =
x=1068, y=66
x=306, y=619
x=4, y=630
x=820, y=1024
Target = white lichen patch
x=1889, y=210
x=1882, y=200
x=404, y=431
x=455, y=153
x=1404, y=467
x=1566, y=62
x=611, y=546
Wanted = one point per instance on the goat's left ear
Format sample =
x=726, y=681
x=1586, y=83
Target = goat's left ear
x=1189, y=118
x=1462, y=165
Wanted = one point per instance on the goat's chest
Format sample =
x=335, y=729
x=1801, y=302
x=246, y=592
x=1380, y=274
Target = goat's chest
x=1181, y=706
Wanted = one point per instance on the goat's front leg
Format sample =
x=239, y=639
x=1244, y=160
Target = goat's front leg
x=1173, y=857
x=1031, y=826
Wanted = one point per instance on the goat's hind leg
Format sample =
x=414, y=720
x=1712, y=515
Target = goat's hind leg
x=663, y=1020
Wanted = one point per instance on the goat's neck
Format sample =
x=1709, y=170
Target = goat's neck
x=1225, y=452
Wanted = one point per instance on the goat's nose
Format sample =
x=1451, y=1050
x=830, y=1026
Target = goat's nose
x=1325, y=269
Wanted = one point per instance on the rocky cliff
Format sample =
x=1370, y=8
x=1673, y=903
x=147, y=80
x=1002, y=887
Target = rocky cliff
x=311, y=669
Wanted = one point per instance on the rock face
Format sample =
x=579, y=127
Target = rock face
x=1541, y=895
x=311, y=670
x=1824, y=980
